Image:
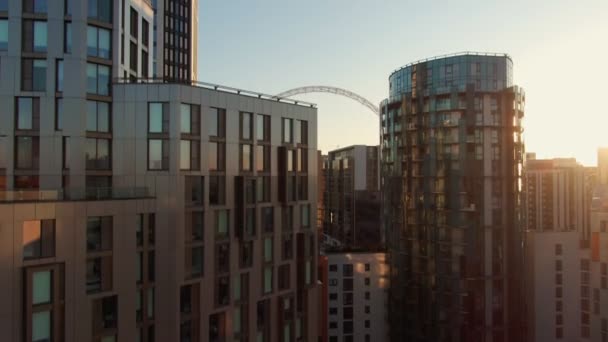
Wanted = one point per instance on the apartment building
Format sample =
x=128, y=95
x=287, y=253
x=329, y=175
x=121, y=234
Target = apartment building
x=175, y=40
x=451, y=159
x=357, y=294
x=351, y=202
x=565, y=268
x=557, y=195
x=140, y=211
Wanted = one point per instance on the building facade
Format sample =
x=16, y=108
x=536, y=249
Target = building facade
x=451, y=160
x=557, y=195
x=175, y=40
x=357, y=293
x=351, y=202
x=145, y=212
x=558, y=199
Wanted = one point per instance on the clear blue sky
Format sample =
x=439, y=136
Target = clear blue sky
x=559, y=49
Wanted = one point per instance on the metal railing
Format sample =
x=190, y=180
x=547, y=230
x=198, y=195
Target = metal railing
x=211, y=86
x=456, y=54
x=74, y=194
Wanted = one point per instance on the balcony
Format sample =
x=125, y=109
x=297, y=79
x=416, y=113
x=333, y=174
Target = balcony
x=74, y=194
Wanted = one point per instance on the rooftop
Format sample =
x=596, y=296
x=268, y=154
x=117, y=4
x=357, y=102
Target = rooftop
x=216, y=87
x=457, y=54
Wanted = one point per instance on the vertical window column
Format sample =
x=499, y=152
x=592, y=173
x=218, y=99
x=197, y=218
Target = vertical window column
x=146, y=275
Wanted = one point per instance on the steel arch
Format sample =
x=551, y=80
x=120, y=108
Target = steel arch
x=331, y=90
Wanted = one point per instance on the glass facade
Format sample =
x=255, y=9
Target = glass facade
x=450, y=141
x=486, y=73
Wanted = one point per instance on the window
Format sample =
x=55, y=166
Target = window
x=246, y=157
x=158, y=117
x=221, y=223
x=98, y=154
x=99, y=233
x=158, y=154
x=217, y=120
x=133, y=57
x=263, y=189
x=98, y=116
x=287, y=247
x=347, y=312
x=367, y=309
x=333, y=296
x=333, y=311
x=287, y=130
x=302, y=160
x=246, y=126
x=246, y=254
x=66, y=153
x=134, y=21
x=347, y=270
x=250, y=222
x=144, y=64
x=35, y=36
x=287, y=219
x=27, y=152
x=189, y=155
x=222, y=258
x=190, y=119
x=367, y=267
x=38, y=239
x=559, y=332
x=33, y=74
x=67, y=39
x=28, y=113
x=217, y=152
x=267, y=280
x=222, y=291
x=268, y=219
x=262, y=158
x=99, y=42
x=197, y=257
x=305, y=215
x=59, y=75
x=290, y=160
x=98, y=79
x=347, y=284
x=284, y=277
x=100, y=10
x=367, y=295
x=268, y=249
x=44, y=302
x=263, y=128
x=194, y=189
x=3, y=34
x=558, y=249
x=217, y=190
x=348, y=298
x=333, y=268
x=145, y=32
x=367, y=281
x=105, y=317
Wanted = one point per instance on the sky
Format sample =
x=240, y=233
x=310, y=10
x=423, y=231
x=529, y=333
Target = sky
x=559, y=50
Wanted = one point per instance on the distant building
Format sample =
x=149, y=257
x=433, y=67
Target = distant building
x=351, y=202
x=175, y=40
x=356, y=290
x=566, y=275
x=556, y=196
x=602, y=166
